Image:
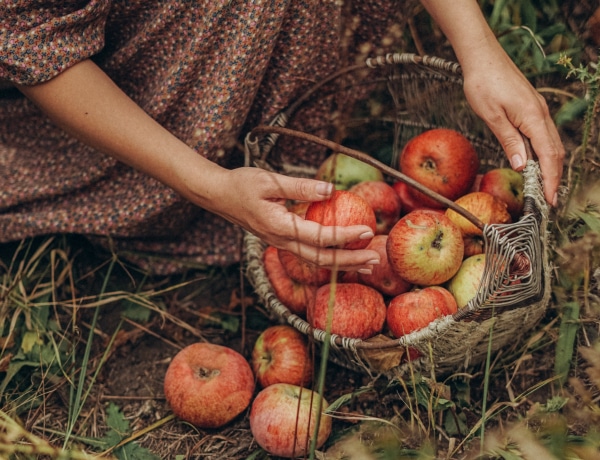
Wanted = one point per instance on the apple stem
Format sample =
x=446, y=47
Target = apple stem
x=366, y=158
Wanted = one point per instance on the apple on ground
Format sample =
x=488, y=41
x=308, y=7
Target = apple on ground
x=344, y=208
x=208, y=385
x=408, y=202
x=294, y=295
x=384, y=200
x=281, y=354
x=416, y=309
x=443, y=160
x=465, y=284
x=358, y=311
x=425, y=248
x=344, y=171
x=283, y=419
x=302, y=271
x=487, y=208
x=383, y=277
x=505, y=184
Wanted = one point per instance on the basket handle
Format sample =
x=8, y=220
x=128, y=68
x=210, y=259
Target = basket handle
x=366, y=158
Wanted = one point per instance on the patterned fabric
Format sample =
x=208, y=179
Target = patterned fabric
x=206, y=70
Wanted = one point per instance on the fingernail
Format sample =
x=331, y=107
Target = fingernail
x=555, y=200
x=367, y=235
x=516, y=162
x=373, y=262
x=365, y=271
x=324, y=189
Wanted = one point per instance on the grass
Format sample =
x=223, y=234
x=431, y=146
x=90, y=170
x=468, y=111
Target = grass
x=73, y=321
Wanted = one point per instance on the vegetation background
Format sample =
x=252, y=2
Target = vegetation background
x=85, y=339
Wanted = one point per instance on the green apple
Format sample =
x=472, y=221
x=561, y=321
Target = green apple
x=345, y=171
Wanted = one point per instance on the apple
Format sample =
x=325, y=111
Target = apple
x=408, y=202
x=487, y=208
x=505, y=184
x=344, y=171
x=465, y=284
x=283, y=420
x=415, y=309
x=281, y=354
x=443, y=160
x=425, y=248
x=294, y=295
x=383, y=277
x=208, y=385
x=302, y=271
x=357, y=311
x=384, y=200
x=344, y=208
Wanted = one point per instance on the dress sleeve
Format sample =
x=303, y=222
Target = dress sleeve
x=40, y=39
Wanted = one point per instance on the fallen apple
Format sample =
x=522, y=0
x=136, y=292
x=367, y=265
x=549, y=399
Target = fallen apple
x=281, y=354
x=443, y=160
x=505, y=184
x=357, y=311
x=293, y=294
x=416, y=309
x=384, y=200
x=344, y=208
x=383, y=277
x=283, y=419
x=208, y=385
x=344, y=171
x=425, y=248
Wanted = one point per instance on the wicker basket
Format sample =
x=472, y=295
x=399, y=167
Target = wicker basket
x=427, y=93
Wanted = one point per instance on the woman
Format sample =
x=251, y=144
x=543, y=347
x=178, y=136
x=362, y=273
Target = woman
x=133, y=110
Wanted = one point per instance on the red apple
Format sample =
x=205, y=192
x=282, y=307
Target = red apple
x=487, y=208
x=415, y=309
x=384, y=200
x=443, y=160
x=281, y=354
x=208, y=385
x=383, y=277
x=465, y=284
x=344, y=171
x=294, y=295
x=425, y=248
x=358, y=311
x=409, y=203
x=344, y=208
x=283, y=420
x=507, y=185
x=302, y=271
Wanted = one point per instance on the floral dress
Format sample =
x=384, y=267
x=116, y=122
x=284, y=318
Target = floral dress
x=207, y=70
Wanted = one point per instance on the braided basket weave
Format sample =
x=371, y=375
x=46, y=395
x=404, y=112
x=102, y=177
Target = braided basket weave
x=427, y=93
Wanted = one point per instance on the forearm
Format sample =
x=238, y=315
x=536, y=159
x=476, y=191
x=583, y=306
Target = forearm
x=85, y=102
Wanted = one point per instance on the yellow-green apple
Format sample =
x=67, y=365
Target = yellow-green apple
x=505, y=184
x=465, y=284
x=425, y=248
x=281, y=354
x=208, y=385
x=408, y=202
x=443, y=160
x=384, y=200
x=344, y=171
x=293, y=294
x=358, y=311
x=283, y=419
x=301, y=270
x=487, y=208
x=344, y=208
x=383, y=277
x=415, y=309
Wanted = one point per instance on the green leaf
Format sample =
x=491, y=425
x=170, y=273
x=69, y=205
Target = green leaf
x=136, y=312
x=569, y=325
x=572, y=110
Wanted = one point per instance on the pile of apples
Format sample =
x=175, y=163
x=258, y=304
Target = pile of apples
x=432, y=258
x=210, y=385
